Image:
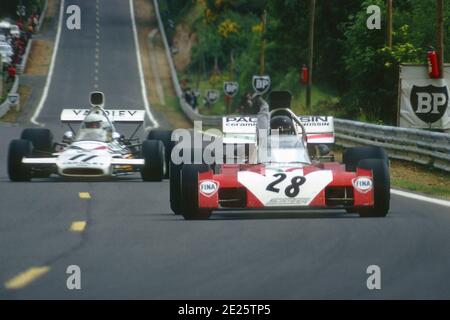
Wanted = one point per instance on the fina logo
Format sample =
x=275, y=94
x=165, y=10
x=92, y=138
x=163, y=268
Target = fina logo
x=362, y=184
x=429, y=103
x=209, y=187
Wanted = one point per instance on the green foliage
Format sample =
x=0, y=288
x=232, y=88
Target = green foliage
x=350, y=60
x=8, y=7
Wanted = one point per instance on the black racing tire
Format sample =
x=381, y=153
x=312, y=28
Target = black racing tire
x=153, y=154
x=175, y=187
x=175, y=182
x=353, y=156
x=381, y=186
x=41, y=139
x=189, y=192
x=17, y=171
x=165, y=136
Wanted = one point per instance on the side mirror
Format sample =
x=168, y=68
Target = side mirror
x=97, y=99
x=68, y=137
x=323, y=150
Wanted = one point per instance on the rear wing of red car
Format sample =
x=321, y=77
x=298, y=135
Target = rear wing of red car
x=319, y=129
x=242, y=129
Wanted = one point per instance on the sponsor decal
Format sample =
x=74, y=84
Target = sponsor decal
x=429, y=102
x=288, y=202
x=363, y=184
x=113, y=113
x=289, y=188
x=208, y=187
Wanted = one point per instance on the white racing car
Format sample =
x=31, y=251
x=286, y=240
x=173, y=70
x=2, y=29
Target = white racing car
x=97, y=150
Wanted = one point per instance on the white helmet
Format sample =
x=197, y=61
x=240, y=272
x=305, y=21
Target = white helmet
x=95, y=121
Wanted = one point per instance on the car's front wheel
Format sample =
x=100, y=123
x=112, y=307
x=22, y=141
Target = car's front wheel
x=381, y=188
x=18, y=149
x=189, y=192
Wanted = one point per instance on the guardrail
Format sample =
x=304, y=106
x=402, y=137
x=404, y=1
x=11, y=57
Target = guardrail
x=6, y=105
x=419, y=146
x=423, y=147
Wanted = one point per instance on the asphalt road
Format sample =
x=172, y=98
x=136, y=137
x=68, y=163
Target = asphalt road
x=134, y=247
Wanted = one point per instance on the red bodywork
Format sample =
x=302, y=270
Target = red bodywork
x=229, y=187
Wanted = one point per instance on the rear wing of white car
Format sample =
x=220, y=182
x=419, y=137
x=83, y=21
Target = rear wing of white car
x=116, y=116
x=242, y=129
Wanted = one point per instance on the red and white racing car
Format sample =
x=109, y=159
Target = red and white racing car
x=291, y=170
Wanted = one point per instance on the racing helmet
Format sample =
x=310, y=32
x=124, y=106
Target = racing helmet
x=94, y=121
x=283, y=123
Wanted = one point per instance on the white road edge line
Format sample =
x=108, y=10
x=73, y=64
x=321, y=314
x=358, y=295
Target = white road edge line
x=419, y=197
x=50, y=70
x=141, y=73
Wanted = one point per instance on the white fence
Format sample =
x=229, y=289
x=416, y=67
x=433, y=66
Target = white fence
x=412, y=145
x=6, y=105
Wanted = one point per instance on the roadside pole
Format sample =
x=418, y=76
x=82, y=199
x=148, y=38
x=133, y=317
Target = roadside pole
x=262, y=62
x=312, y=9
x=389, y=23
x=1, y=77
x=440, y=36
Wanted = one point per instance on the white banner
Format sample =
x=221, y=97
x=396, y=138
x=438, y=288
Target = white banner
x=424, y=102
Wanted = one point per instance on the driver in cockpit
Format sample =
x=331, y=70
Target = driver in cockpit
x=284, y=124
x=95, y=127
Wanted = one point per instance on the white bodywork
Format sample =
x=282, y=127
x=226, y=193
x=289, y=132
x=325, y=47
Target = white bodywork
x=88, y=159
x=94, y=152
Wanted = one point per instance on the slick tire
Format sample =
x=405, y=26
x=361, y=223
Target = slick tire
x=189, y=192
x=353, y=156
x=153, y=154
x=165, y=136
x=175, y=187
x=175, y=182
x=17, y=171
x=40, y=138
x=381, y=187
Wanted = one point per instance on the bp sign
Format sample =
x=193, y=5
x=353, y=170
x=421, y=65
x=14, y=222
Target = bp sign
x=261, y=84
x=212, y=96
x=429, y=103
x=424, y=102
x=230, y=88
x=13, y=99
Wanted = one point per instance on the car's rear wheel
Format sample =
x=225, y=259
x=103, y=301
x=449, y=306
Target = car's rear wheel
x=175, y=187
x=165, y=136
x=381, y=188
x=40, y=138
x=153, y=154
x=17, y=171
x=353, y=156
x=189, y=192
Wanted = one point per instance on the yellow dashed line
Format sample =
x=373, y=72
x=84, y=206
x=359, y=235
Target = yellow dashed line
x=84, y=195
x=26, y=277
x=78, y=226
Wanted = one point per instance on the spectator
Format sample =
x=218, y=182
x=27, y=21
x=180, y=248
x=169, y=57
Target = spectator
x=246, y=104
x=190, y=98
x=11, y=73
x=30, y=31
x=35, y=21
